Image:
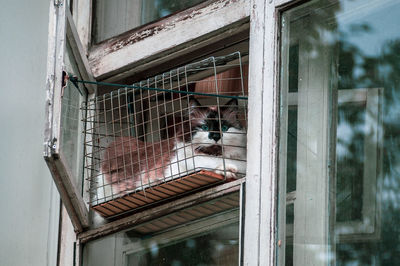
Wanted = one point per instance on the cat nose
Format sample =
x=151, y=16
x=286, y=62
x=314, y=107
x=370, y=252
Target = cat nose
x=214, y=136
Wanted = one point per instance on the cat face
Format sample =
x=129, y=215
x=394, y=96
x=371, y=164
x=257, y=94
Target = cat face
x=212, y=126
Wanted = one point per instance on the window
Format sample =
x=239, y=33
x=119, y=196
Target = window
x=210, y=236
x=154, y=54
x=338, y=85
x=113, y=18
x=63, y=129
x=177, y=41
x=322, y=172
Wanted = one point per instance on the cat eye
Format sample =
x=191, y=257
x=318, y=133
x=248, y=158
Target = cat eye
x=224, y=128
x=204, y=127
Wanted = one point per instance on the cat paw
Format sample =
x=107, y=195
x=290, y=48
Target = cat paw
x=124, y=187
x=229, y=171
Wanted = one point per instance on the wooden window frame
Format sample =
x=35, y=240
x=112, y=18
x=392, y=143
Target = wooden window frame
x=260, y=226
x=61, y=31
x=261, y=239
x=75, y=29
x=313, y=127
x=169, y=39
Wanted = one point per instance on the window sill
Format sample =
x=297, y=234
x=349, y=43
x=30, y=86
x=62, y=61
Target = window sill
x=162, y=210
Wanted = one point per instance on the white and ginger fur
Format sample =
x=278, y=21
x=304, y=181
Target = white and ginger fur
x=194, y=147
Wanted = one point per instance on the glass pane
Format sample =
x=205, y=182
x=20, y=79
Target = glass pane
x=71, y=122
x=117, y=16
x=216, y=247
x=339, y=140
x=350, y=162
x=199, y=235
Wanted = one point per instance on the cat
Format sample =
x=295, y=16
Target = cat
x=208, y=138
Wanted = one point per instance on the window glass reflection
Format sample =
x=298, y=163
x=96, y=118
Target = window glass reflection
x=72, y=136
x=118, y=16
x=203, y=234
x=216, y=247
x=339, y=145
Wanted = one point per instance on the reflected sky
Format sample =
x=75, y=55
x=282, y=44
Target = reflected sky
x=382, y=18
x=355, y=45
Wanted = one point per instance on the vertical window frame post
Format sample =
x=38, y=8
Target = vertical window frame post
x=260, y=238
x=61, y=31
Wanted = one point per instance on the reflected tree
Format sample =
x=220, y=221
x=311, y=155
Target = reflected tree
x=356, y=68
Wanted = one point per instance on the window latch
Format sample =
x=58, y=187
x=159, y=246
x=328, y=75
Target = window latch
x=64, y=81
x=53, y=145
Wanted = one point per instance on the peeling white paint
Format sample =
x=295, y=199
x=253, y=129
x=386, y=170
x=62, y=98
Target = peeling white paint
x=113, y=55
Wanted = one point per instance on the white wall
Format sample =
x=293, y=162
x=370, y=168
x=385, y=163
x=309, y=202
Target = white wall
x=29, y=202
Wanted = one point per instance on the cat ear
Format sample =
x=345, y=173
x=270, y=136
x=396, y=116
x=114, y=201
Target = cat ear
x=193, y=102
x=193, y=106
x=232, y=105
x=230, y=110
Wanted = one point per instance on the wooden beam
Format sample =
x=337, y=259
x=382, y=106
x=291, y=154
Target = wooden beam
x=54, y=158
x=79, y=53
x=69, y=194
x=262, y=146
x=55, y=78
x=50, y=79
x=166, y=37
x=230, y=41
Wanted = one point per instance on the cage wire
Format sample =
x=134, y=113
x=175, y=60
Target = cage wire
x=191, y=119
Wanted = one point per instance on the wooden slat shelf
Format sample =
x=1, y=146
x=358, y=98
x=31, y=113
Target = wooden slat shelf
x=158, y=193
x=230, y=202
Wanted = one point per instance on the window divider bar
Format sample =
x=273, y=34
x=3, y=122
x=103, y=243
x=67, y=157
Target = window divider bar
x=260, y=243
x=70, y=196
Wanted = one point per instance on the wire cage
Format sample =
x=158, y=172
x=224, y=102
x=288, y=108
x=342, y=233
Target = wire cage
x=166, y=136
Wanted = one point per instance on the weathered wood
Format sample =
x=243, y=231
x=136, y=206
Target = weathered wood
x=232, y=39
x=79, y=53
x=261, y=193
x=251, y=245
x=62, y=175
x=157, y=193
x=55, y=58
x=150, y=42
x=57, y=69
x=50, y=79
x=242, y=202
x=82, y=16
x=59, y=178
x=161, y=210
x=67, y=239
x=283, y=131
x=56, y=51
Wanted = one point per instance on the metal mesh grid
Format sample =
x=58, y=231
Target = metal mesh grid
x=137, y=139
